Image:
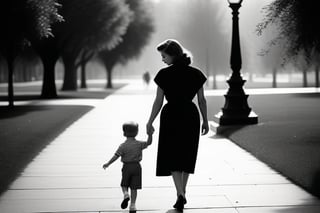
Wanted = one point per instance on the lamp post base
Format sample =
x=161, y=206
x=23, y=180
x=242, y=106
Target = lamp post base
x=236, y=110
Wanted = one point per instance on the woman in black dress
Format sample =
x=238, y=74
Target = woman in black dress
x=179, y=131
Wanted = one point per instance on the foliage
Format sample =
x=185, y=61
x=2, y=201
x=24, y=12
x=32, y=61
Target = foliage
x=41, y=15
x=92, y=25
x=136, y=37
x=24, y=20
x=297, y=24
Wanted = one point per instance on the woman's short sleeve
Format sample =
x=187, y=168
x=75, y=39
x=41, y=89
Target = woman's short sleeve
x=201, y=79
x=159, y=79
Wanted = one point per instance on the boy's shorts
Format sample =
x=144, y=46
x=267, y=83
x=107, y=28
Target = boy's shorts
x=131, y=175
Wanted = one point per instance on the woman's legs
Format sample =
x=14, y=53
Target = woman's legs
x=185, y=177
x=178, y=182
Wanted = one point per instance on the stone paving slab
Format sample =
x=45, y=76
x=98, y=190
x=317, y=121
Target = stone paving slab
x=67, y=175
x=285, y=209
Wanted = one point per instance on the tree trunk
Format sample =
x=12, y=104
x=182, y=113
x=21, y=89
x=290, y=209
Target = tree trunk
x=317, y=76
x=70, y=74
x=10, y=61
x=274, y=77
x=49, y=54
x=49, y=85
x=109, y=67
x=305, y=79
x=83, y=75
x=109, y=79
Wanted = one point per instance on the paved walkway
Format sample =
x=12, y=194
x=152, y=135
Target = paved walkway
x=67, y=175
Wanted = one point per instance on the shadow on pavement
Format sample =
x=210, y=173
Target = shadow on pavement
x=307, y=95
x=227, y=131
x=315, y=187
x=26, y=130
x=7, y=112
x=172, y=211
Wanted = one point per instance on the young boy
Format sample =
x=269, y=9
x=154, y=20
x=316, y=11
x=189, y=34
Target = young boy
x=131, y=154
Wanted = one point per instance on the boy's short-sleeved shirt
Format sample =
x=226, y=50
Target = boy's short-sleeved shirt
x=131, y=151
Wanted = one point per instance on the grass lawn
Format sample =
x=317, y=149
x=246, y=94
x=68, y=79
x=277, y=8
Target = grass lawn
x=26, y=130
x=287, y=137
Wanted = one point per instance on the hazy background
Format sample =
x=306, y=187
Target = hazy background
x=204, y=27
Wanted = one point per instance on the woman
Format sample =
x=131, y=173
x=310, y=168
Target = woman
x=179, y=131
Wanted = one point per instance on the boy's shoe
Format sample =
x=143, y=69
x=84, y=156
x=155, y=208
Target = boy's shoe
x=125, y=201
x=132, y=208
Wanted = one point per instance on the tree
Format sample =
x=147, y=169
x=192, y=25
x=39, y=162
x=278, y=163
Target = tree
x=90, y=26
x=23, y=21
x=136, y=37
x=296, y=21
x=271, y=59
x=48, y=59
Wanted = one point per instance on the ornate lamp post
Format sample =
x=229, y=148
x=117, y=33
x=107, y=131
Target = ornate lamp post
x=236, y=110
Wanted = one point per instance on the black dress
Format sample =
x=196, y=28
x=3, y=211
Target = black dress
x=179, y=119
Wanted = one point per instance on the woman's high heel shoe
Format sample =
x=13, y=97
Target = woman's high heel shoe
x=179, y=205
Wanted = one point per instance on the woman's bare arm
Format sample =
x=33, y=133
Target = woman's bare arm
x=157, y=104
x=203, y=110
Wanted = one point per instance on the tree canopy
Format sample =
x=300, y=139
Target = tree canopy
x=93, y=25
x=136, y=37
x=25, y=20
x=297, y=24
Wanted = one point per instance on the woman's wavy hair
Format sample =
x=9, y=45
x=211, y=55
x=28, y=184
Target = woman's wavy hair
x=174, y=48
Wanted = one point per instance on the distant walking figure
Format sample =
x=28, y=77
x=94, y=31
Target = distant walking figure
x=131, y=154
x=146, y=78
x=179, y=131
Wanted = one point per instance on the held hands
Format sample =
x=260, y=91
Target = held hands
x=150, y=129
x=204, y=128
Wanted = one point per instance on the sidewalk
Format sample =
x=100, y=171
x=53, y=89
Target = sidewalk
x=67, y=176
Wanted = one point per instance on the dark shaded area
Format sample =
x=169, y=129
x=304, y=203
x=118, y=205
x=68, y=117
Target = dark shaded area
x=26, y=130
x=287, y=137
x=315, y=186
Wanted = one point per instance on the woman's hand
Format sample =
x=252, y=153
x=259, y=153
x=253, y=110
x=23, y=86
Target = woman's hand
x=204, y=128
x=150, y=129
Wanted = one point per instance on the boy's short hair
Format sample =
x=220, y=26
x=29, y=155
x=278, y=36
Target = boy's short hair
x=130, y=129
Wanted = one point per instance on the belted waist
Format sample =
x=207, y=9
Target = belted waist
x=178, y=102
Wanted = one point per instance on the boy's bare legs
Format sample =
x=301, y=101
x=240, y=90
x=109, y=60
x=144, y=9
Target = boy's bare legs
x=126, y=198
x=134, y=193
x=125, y=191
